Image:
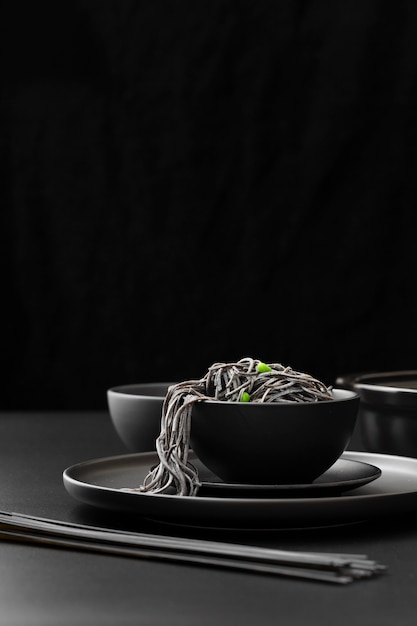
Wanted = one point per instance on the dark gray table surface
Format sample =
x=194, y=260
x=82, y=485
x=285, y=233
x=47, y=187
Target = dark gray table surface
x=41, y=585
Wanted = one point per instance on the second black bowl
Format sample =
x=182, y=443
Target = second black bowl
x=388, y=411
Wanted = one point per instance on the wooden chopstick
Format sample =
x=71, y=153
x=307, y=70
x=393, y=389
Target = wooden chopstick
x=339, y=568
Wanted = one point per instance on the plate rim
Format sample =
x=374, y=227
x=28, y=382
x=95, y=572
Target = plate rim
x=259, y=513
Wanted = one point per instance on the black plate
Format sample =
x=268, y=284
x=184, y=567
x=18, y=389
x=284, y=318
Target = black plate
x=100, y=483
x=344, y=475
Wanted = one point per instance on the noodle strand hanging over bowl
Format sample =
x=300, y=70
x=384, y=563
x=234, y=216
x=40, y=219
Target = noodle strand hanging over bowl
x=247, y=380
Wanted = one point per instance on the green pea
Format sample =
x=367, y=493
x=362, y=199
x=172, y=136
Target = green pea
x=263, y=367
x=245, y=397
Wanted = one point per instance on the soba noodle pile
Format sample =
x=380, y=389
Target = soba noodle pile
x=248, y=380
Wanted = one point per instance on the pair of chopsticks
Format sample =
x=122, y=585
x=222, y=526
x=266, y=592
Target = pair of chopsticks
x=334, y=568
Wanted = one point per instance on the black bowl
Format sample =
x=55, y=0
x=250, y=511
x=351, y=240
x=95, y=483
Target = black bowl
x=273, y=443
x=388, y=411
x=136, y=412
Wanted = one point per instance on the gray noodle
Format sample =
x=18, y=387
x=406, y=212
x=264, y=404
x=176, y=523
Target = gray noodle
x=226, y=382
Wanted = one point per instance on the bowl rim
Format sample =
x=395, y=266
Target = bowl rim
x=351, y=395
x=348, y=381
x=127, y=390
x=365, y=380
x=372, y=390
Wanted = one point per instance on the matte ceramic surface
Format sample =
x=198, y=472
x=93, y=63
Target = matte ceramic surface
x=342, y=476
x=98, y=483
x=273, y=443
x=135, y=411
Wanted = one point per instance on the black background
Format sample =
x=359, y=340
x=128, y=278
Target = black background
x=190, y=182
